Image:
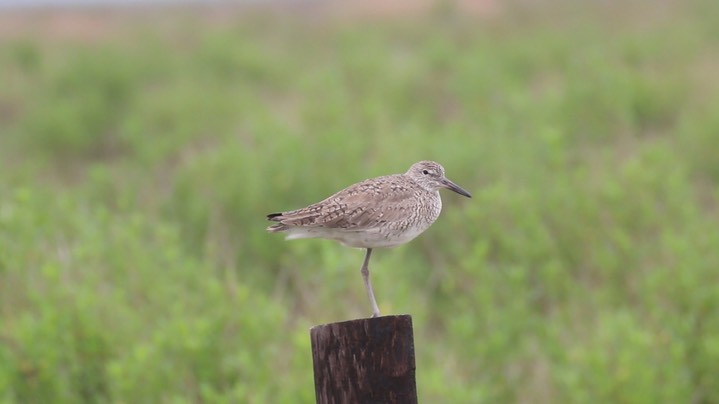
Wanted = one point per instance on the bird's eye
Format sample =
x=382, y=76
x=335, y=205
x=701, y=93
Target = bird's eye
x=425, y=172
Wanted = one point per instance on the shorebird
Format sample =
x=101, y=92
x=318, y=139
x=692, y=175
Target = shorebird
x=380, y=212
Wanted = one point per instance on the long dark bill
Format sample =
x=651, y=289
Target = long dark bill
x=456, y=188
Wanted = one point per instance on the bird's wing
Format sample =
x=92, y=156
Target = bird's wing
x=365, y=205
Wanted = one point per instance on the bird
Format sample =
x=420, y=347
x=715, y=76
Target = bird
x=381, y=212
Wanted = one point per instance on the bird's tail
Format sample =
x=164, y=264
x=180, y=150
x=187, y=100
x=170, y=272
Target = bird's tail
x=276, y=217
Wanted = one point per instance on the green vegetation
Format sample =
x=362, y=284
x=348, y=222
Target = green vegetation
x=136, y=170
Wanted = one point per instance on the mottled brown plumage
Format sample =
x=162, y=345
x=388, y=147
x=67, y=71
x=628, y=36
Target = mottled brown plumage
x=379, y=212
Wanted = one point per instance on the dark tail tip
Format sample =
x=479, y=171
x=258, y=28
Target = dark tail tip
x=274, y=217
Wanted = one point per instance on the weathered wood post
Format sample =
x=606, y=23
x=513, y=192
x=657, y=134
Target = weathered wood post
x=365, y=361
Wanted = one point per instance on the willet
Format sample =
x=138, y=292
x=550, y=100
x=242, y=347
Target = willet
x=380, y=212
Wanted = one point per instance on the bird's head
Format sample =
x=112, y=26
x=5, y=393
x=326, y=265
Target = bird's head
x=430, y=176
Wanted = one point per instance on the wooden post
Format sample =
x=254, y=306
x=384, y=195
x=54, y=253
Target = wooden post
x=365, y=361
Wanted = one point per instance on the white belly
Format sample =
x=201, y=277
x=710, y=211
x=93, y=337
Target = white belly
x=367, y=238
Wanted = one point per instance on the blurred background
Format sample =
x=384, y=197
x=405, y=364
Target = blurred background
x=142, y=146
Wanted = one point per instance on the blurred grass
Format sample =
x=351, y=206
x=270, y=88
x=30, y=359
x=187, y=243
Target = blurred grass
x=137, y=170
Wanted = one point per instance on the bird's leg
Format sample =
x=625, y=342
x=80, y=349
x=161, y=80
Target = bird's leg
x=368, y=285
